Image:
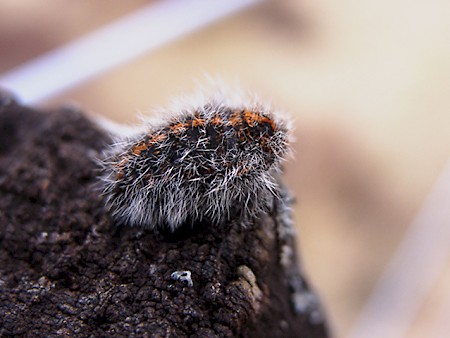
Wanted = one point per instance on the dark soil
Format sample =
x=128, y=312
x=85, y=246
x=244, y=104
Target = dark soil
x=67, y=270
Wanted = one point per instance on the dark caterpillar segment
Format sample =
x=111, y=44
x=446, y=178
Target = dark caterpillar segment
x=203, y=139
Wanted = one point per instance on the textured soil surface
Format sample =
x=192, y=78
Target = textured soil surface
x=67, y=270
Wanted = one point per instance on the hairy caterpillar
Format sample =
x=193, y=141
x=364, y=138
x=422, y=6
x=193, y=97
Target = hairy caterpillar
x=211, y=161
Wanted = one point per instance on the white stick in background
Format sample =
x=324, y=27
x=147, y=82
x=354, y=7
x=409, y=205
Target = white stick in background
x=112, y=45
x=441, y=326
x=412, y=272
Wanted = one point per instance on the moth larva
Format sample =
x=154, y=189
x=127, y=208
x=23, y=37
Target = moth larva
x=208, y=162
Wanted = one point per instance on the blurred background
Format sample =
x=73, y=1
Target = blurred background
x=367, y=84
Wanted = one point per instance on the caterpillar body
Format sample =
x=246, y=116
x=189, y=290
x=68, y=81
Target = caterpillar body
x=213, y=162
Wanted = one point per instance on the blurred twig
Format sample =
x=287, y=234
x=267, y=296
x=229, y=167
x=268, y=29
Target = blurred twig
x=112, y=45
x=415, y=267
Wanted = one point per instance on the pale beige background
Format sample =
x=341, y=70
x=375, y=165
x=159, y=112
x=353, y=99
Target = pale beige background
x=367, y=83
